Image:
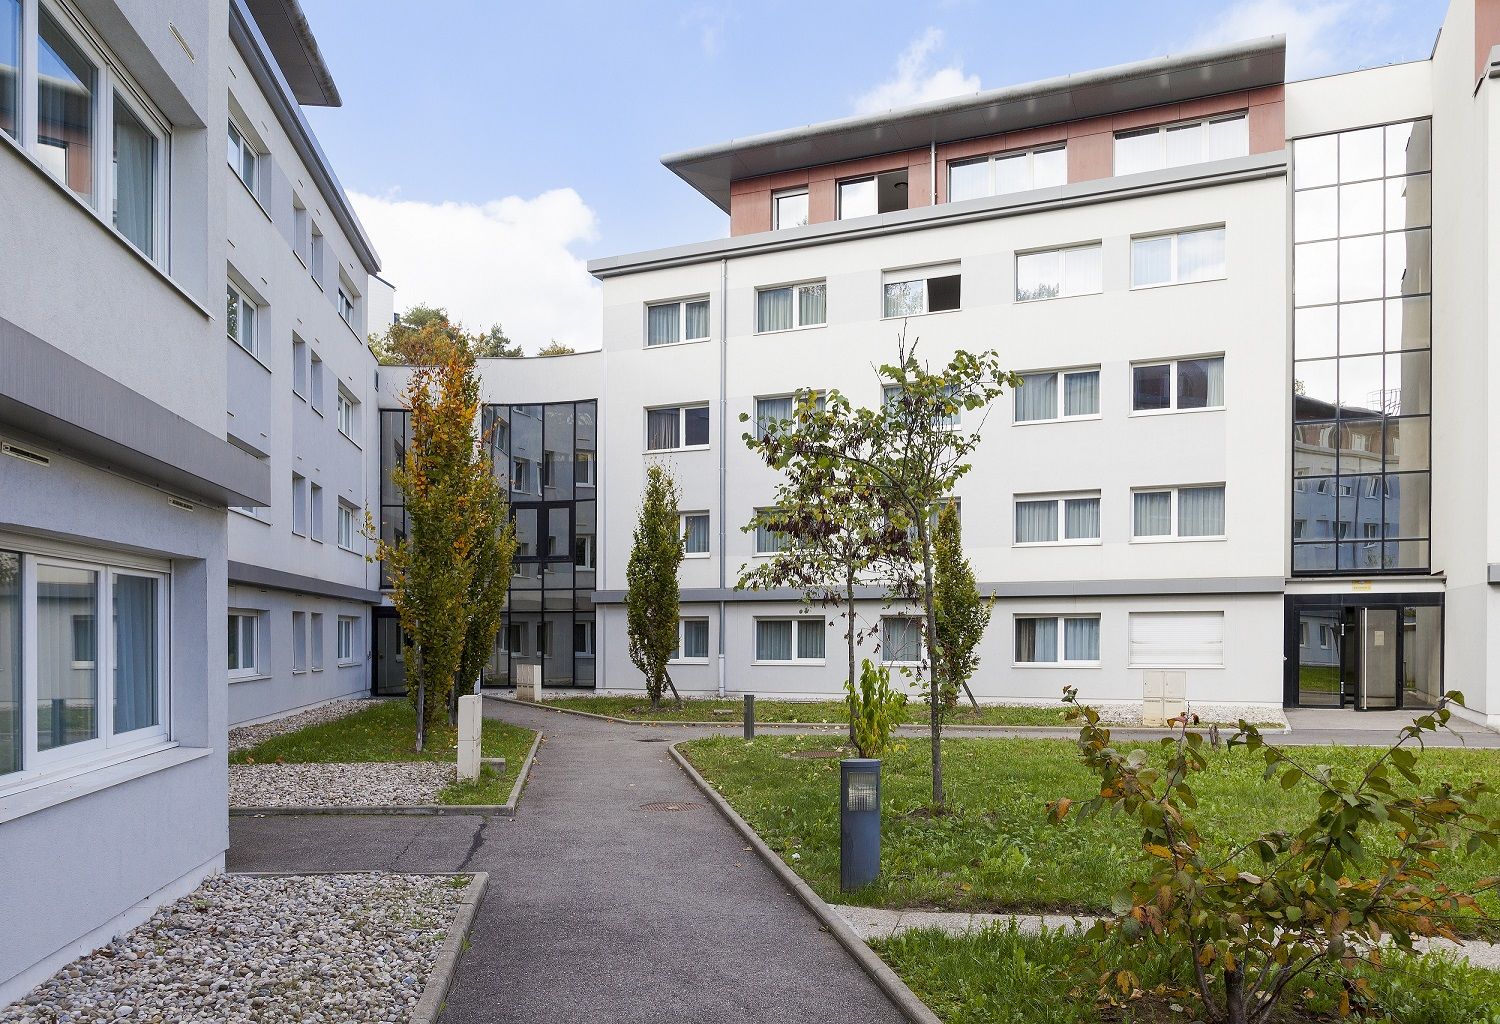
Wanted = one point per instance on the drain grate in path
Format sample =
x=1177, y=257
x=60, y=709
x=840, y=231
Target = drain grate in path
x=676, y=805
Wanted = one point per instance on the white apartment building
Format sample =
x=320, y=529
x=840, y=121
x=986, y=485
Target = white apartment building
x=1253, y=446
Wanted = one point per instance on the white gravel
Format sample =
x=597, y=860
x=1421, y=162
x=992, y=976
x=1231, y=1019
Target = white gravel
x=243, y=737
x=317, y=949
x=373, y=784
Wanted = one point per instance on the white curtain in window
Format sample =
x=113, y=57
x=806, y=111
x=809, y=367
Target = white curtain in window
x=1081, y=393
x=1082, y=515
x=1083, y=270
x=1137, y=151
x=1184, y=144
x=1081, y=639
x=695, y=638
x=662, y=325
x=773, y=310
x=969, y=180
x=1209, y=383
x=768, y=541
x=900, y=641
x=1036, y=398
x=1151, y=261
x=1012, y=174
x=1200, y=255
x=1049, y=168
x=1036, y=521
x=773, y=640
x=1200, y=512
x=697, y=320
x=1153, y=513
x=810, y=638
x=1227, y=138
x=695, y=534
x=812, y=304
x=662, y=429
x=768, y=410
x=135, y=178
x=1036, y=640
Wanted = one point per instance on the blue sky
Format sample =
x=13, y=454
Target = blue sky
x=493, y=147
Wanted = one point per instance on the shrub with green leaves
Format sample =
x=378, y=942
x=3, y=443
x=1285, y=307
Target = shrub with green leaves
x=874, y=710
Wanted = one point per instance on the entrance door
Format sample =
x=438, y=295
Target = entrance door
x=1372, y=655
x=1378, y=636
x=390, y=669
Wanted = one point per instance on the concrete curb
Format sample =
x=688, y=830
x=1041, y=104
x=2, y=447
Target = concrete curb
x=505, y=810
x=879, y=971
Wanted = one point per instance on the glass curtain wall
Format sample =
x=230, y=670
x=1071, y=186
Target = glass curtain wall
x=1362, y=337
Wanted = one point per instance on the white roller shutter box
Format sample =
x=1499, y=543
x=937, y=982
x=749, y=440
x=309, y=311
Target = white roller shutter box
x=1177, y=640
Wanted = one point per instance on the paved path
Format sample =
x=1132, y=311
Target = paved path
x=599, y=909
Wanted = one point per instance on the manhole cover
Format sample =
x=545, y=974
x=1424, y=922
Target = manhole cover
x=813, y=755
x=678, y=805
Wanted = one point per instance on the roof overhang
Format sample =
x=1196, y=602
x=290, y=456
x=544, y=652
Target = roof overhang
x=292, y=43
x=1249, y=65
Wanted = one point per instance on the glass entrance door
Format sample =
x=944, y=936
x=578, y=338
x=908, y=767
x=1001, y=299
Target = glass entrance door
x=1378, y=638
x=1319, y=680
x=1372, y=655
x=390, y=669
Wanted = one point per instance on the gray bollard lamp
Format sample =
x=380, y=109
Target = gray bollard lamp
x=859, y=822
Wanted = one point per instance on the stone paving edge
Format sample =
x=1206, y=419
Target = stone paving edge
x=879, y=971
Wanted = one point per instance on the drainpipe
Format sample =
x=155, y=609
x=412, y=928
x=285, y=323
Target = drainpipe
x=723, y=446
x=932, y=172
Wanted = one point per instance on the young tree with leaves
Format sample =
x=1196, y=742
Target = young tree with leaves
x=962, y=613
x=653, y=596
x=409, y=340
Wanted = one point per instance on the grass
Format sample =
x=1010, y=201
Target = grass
x=386, y=731
x=994, y=849
x=1002, y=977
x=808, y=712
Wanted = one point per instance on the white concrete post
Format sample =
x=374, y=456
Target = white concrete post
x=528, y=682
x=470, y=727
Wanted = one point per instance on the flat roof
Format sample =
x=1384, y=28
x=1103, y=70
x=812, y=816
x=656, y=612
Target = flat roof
x=1252, y=64
x=290, y=37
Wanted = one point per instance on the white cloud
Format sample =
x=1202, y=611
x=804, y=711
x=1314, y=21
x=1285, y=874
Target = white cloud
x=1322, y=36
x=916, y=80
x=507, y=261
x=711, y=21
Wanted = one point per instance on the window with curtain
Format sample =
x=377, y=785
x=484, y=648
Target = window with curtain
x=135, y=178
x=791, y=306
x=1060, y=273
x=676, y=427
x=348, y=530
x=771, y=410
x=1200, y=512
x=1183, y=143
x=1080, y=639
x=66, y=95
x=243, y=158
x=1081, y=518
x=1178, y=258
x=668, y=323
x=1054, y=519
x=1038, y=396
x=695, y=533
x=924, y=290
x=900, y=640
x=692, y=640
x=773, y=640
x=767, y=540
x=10, y=661
x=1006, y=173
x=1036, y=521
x=1152, y=514
x=1081, y=393
x=299, y=641
x=344, y=648
x=242, y=654
x=1037, y=639
x=1179, y=384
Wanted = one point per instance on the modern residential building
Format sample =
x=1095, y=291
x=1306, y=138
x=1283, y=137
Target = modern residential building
x=1252, y=455
x=178, y=337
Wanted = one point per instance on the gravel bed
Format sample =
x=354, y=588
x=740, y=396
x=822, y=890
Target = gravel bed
x=318, y=949
x=243, y=737
x=371, y=784
x=1130, y=714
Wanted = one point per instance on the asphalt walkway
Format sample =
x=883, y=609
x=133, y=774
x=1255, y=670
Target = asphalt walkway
x=616, y=894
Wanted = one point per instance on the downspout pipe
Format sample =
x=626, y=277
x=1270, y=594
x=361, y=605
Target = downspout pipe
x=723, y=449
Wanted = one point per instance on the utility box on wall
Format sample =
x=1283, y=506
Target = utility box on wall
x=1165, y=696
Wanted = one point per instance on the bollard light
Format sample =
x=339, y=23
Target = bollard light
x=859, y=822
x=749, y=716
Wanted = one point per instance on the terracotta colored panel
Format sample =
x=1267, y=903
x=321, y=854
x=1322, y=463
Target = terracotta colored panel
x=1091, y=157
x=1088, y=126
x=1141, y=118
x=820, y=202
x=1486, y=32
x=1268, y=128
x=787, y=179
x=1030, y=137
x=919, y=180
x=750, y=212
x=744, y=185
x=1270, y=94
x=970, y=147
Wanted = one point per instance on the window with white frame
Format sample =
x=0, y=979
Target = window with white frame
x=299, y=367
x=345, y=306
x=788, y=307
x=315, y=640
x=1004, y=173
x=1176, y=640
x=348, y=528
x=692, y=640
x=946, y=416
x=1167, y=513
x=900, y=640
x=300, y=228
x=299, y=504
x=315, y=383
x=583, y=551
x=583, y=469
x=1179, y=257
x=244, y=159
x=315, y=512
x=87, y=123
x=83, y=643
x=315, y=264
x=1060, y=273
x=781, y=409
x=675, y=427
x=299, y=641
x=790, y=641
x=921, y=290
x=346, y=639
x=243, y=648
x=348, y=410
x=239, y=319
x=1057, y=639
x=695, y=534
x=789, y=208
x=1057, y=395
x=1057, y=519
x=583, y=639
x=669, y=323
x=1178, y=145
x=767, y=540
x=1177, y=384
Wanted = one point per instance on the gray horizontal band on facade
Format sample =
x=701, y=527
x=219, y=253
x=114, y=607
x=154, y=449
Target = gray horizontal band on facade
x=1210, y=585
x=64, y=402
x=1075, y=194
x=275, y=579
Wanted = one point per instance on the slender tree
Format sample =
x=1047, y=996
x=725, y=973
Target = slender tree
x=493, y=555
x=963, y=614
x=653, y=597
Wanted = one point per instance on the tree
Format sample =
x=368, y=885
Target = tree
x=555, y=348
x=493, y=344
x=962, y=613
x=874, y=710
x=493, y=554
x=412, y=339
x=445, y=573
x=652, y=597
x=1319, y=901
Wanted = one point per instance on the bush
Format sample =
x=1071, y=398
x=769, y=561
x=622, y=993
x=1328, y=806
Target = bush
x=874, y=710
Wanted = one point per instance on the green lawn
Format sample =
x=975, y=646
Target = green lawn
x=386, y=731
x=1002, y=977
x=994, y=850
x=831, y=712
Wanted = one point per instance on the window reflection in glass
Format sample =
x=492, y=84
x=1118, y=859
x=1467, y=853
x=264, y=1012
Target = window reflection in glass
x=67, y=668
x=1361, y=325
x=65, y=108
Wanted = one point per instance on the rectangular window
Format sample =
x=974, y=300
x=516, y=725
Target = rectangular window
x=10, y=108
x=791, y=306
x=135, y=177
x=316, y=263
x=299, y=367
x=1177, y=384
x=857, y=198
x=299, y=641
x=583, y=639
x=243, y=159
x=1178, y=258
x=1062, y=519
x=692, y=640
x=1057, y=394
x=315, y=383
x=347, y=408
x=676, y=427
x=300, y=226
x=900, y=640
x=1006, y=173
x=1176, y=639
x=345, y=305
x=947, y=413
x=923, y=290
x=1178, y=145
x=1037, y=640
x=790, y=641
x=348, y=627
x=239, y=319
x=315, y=513
x=767, y=540
x=789, y=208
x=299, y=504
x=695, y=534
x=1059, y=273
x=348, y=525
x=67, y=91
x=1178, y=512
x=242, y=643
x=669, y=323
x=315, y=641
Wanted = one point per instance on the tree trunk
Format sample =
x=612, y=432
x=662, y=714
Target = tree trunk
x=849, y=633
x=675, y=695
x=1234, y=998
x=421, y=704
x=970, y=692
x=936, y=718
